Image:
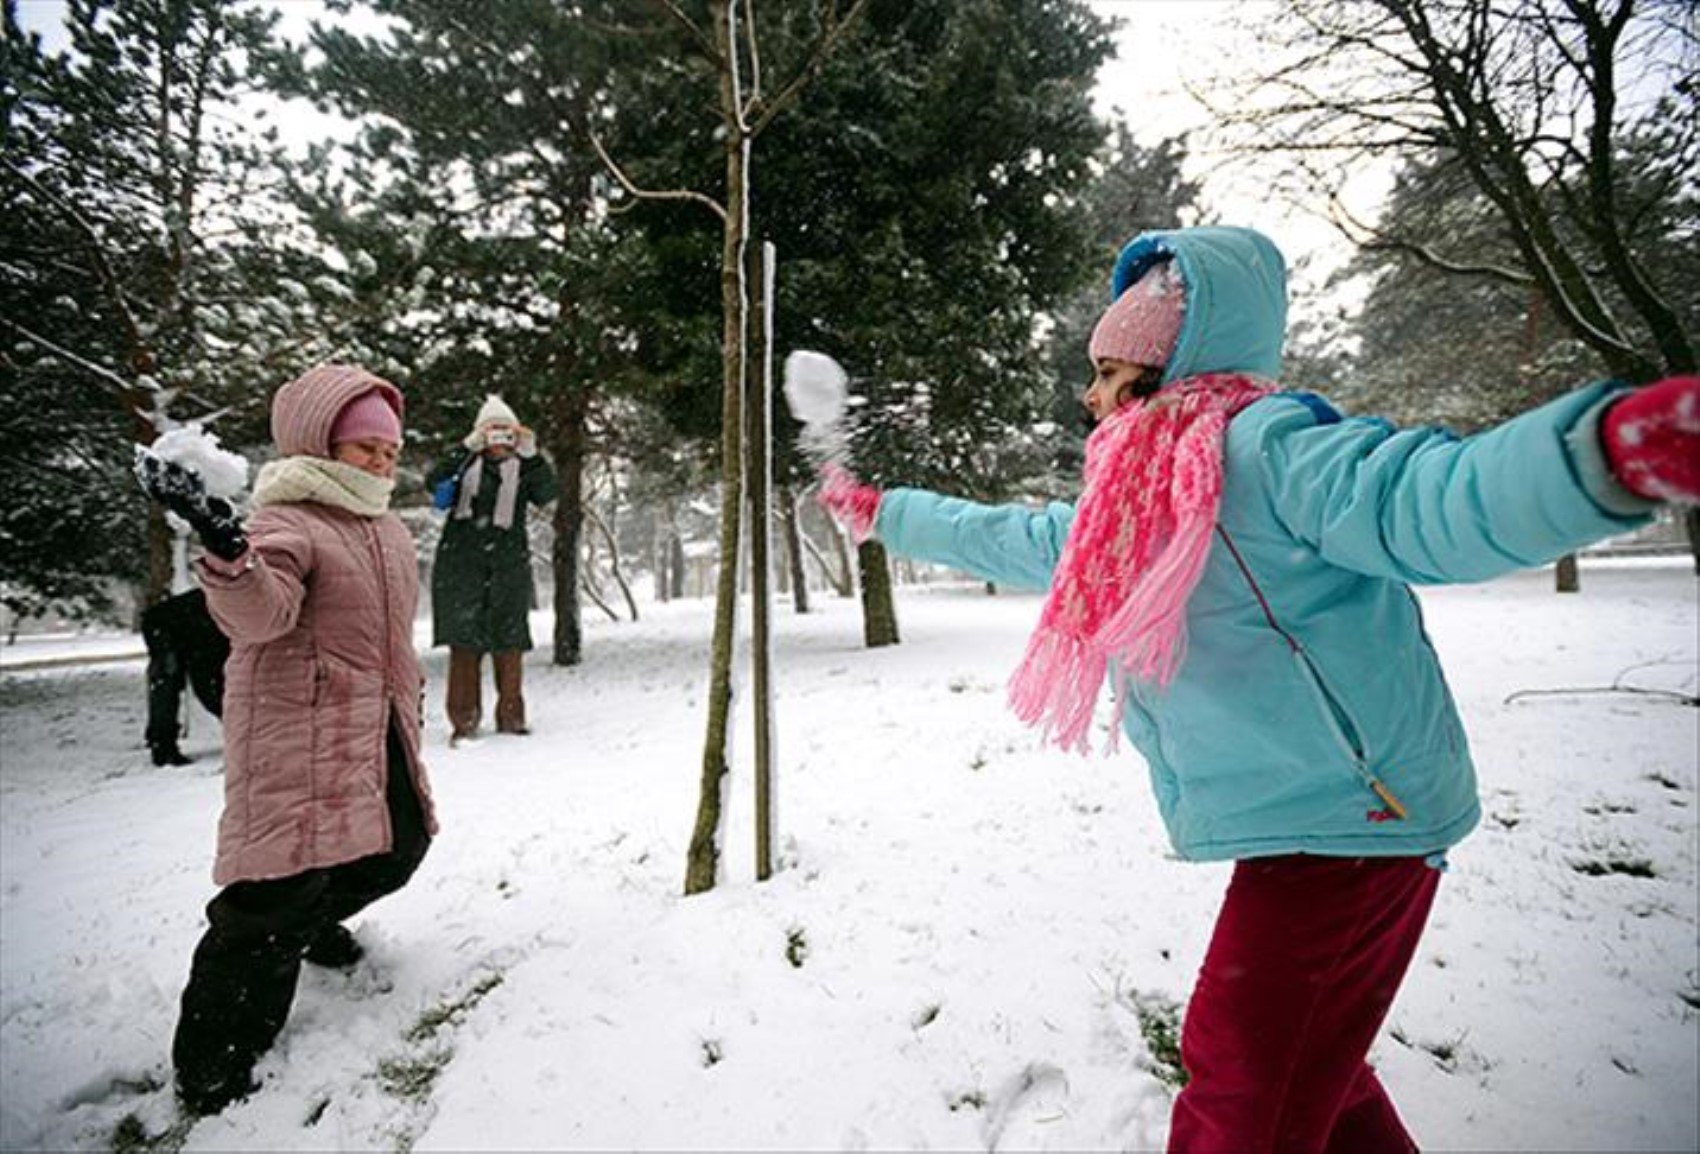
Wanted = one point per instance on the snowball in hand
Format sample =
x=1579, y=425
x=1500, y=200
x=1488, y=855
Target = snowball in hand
x=814, y=388
x=224, y=473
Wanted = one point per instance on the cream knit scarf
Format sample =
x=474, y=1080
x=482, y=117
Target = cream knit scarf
x=289, y=480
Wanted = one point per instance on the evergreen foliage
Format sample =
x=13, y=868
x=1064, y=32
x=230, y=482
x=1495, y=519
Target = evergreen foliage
x=132, y=186
x=924, y=200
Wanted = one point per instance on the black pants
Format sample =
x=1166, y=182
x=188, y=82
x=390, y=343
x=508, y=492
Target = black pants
x=242, y=980
x=185, y=647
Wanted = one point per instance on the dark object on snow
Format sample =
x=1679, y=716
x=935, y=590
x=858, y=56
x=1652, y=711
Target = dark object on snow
x=185, y=647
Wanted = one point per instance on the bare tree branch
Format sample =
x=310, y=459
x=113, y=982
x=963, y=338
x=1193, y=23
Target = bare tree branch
x=704, y=41
x=601, y=526
x=1523, y=95
x=836, y=29
x=1370, y=238
x=754, y=43
x=105, y=375
x=646, y=194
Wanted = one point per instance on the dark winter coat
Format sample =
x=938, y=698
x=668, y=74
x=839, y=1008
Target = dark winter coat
x=481, y=590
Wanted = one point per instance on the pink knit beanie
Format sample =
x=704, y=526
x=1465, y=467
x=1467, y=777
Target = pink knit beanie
x=304, y=410
x=1141, y=325
x=368, y=415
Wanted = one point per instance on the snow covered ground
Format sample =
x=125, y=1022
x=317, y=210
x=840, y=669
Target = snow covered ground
x=958, y=954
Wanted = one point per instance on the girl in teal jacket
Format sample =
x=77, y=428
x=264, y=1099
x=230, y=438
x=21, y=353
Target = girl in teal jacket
x=1238, y=569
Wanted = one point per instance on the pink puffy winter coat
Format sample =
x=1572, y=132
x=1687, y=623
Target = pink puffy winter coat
x=319, y=612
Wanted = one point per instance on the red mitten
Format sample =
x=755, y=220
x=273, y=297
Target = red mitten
x=853, y=503
x=1652, y=440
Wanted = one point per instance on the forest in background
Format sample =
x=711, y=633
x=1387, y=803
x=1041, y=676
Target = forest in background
x=529, y=199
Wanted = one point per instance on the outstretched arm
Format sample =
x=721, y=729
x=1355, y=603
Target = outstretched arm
x=1423, y=506
x=1008, y=544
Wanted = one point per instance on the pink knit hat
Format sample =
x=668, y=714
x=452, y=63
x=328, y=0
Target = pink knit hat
x=1140, y=327
x=304, y=410
x=368, y=415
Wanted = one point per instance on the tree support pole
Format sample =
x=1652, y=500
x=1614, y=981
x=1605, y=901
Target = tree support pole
x=758, y=441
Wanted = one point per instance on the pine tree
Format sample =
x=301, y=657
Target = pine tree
x=131, y=187
x=925, y=202
x=470, y=213
x=1467, y=350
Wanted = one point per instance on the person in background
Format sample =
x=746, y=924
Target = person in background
x=481, y=588
x=1238, y=566
x=185, y=647
x=326, y=803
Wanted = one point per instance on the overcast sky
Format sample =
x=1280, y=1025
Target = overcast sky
x=1160, y=44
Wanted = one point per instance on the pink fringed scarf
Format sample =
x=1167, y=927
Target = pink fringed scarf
x=1136, y=549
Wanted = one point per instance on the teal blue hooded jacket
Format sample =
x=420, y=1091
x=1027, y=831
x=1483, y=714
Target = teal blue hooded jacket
x=1310, y=714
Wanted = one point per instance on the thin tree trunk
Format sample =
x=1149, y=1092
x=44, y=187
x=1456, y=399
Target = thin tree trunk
x=794, y=548
x=155, y=584
x=879, y=613
x=156, y=578
x=702, y=863
x=782, y=570
x=658, y=555
x=677, y=563
x=607, y=535
x=1691, y=521
x=845, y=586
x=567, y=445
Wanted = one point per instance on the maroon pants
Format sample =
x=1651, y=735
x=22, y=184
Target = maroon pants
x=1307, y=955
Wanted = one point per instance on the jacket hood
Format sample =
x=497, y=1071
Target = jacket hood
x=304, y=410
x=1236, y=297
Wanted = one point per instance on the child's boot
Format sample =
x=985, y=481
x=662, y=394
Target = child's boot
x=335, y=948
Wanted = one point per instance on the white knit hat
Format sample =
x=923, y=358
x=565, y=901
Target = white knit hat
x=495, y=411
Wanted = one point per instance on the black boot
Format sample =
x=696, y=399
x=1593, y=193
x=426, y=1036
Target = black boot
x=169, y=755
x=236, y=1001
x=335, y=948
x=203, y=1100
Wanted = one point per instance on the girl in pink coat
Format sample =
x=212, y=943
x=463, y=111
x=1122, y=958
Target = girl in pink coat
x=326, y=806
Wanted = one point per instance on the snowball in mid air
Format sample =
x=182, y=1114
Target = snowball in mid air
x=814, y=388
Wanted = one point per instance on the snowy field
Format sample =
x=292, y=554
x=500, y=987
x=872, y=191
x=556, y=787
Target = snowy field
x=958, y=954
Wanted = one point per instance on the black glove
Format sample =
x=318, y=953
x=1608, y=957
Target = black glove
x=184, y=493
